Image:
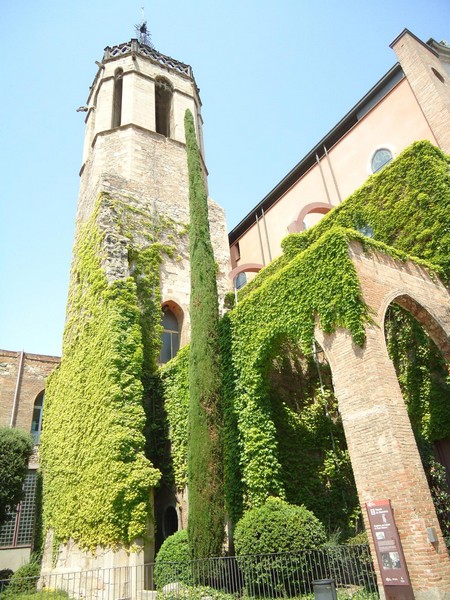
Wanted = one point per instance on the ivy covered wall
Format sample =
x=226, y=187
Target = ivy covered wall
x=282, y=433
x=94, y=455
x=272, y=433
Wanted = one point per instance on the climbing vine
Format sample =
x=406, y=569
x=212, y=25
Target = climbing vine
x=406, y=208
x=425, y=383
x=97, y=476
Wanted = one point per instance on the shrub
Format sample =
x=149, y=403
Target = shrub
x=359, y=539
x=271, y=530
x=173, y=561
x=278, y=527
x=24, y=579
x=5, y=576
x=16, y=447
x=195, y=593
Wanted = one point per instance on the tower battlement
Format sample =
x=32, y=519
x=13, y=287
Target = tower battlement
x=135, y=47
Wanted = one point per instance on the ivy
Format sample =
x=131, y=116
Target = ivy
x=97, y=476
x=425, y=383
x=175, y=386
x=407, y=207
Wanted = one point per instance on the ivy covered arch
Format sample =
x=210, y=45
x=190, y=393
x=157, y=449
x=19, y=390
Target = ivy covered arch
x=418, y=346
x=319, y=285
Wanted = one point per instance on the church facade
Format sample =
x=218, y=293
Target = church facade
x=131, y=263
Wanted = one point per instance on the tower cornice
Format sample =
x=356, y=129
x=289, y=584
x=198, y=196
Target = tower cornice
x=135, y=47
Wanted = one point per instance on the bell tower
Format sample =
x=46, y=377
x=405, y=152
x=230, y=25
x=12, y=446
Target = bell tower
x=134, y=148
x=129, y=293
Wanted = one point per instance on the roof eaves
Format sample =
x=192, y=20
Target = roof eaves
x=333, y=136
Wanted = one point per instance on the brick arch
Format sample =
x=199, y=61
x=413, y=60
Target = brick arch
x=320, y=208
x=383, y=451
x=431, y=324
x=245, y=268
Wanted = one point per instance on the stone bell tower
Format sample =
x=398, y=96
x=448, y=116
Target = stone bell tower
x=135, y=187
x=134, y=148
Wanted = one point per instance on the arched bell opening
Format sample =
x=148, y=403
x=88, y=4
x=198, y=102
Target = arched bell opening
x=163, y=105
x=117, y=98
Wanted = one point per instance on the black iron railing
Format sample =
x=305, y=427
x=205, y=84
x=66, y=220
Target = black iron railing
x=268, y=576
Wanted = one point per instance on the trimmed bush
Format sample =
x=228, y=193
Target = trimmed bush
x=272, y=530
x=278, y=527
x=24, y=579
x=173, y=561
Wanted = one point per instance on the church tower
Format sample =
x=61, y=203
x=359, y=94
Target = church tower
x=134, y=147
x=127, y=313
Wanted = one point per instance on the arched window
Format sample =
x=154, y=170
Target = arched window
x=366, y=230
x=382, y=157
x=170, y=336
x=36, y=423
x=163, y=105
x=240, y=280
x=117, y=98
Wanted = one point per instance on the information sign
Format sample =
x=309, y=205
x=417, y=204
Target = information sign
x=387, y=543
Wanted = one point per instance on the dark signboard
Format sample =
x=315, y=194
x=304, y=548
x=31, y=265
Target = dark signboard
x=387, y=543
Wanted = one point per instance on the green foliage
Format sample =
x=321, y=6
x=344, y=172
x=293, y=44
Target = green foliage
x=273, y=528
x=16, y=447
x=318, y=474
x=175, y=384
x=173, y=561
x=197, y=592
x=278, y=526
x=206, y=512
x=23, y=580
x=96, y=474
x=425, y=383
x=315, y=281
x=407, y=205
x=329, y=291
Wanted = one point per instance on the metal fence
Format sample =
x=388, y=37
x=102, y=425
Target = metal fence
x=264, y=577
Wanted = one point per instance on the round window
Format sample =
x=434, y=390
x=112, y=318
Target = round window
x=382, y=157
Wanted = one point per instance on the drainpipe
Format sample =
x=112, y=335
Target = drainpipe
x=332, y=174
x=260, y=241
x=17, y=390
x=267, y=235
x=323, y=180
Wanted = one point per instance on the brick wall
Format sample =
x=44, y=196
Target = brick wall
x=429, y=82
x=35, y=369
x=383, y=451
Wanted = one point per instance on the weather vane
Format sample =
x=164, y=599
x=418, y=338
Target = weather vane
x=142, y=31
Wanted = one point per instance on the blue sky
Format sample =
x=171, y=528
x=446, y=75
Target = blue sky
x=274, y=77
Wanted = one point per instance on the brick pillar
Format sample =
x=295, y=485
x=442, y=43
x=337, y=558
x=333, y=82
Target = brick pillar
x=429, y=83
x=384, y=456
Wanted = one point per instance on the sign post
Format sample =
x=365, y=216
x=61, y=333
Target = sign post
x=387, y=543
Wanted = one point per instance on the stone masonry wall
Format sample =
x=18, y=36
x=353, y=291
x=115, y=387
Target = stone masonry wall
x=149, y=172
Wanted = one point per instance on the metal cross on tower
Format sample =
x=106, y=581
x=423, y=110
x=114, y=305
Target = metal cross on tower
x=141, y=29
